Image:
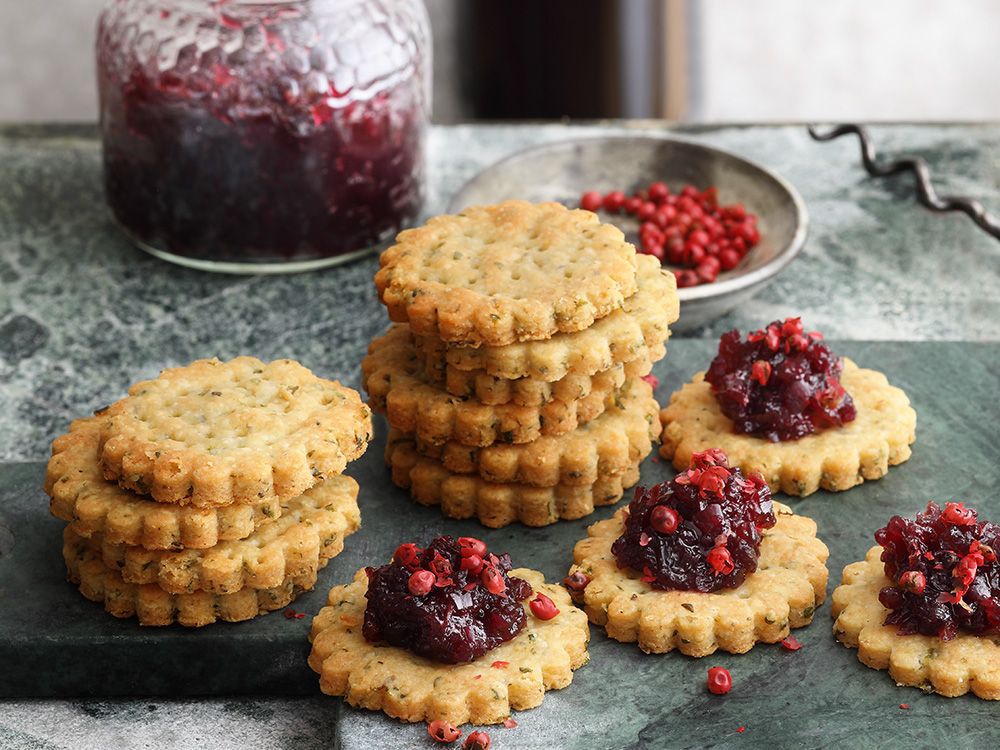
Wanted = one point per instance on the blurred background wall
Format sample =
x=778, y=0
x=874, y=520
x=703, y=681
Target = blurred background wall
x=694, y=60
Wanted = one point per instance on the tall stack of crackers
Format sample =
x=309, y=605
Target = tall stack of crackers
x=514, y=377
x=213, y=492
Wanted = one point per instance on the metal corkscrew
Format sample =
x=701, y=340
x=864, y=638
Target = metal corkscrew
x=926, y=193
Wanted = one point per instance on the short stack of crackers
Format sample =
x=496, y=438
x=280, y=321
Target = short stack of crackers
x=513, y=376
x=213, y=492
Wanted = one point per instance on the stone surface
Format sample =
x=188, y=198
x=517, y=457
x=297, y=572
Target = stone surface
x=819, y=696
x=83, y=313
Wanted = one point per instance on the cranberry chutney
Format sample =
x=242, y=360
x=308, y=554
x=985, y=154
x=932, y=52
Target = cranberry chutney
x=780, y=383
x=944, y=568
x=700, y=531
x=451, y=602
x=283, y=134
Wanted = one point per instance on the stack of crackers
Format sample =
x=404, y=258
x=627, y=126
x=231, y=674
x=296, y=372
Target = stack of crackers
x=212, y=492
x=513, y=376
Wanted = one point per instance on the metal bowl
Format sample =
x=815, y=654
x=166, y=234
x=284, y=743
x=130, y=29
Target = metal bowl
x=563, y=170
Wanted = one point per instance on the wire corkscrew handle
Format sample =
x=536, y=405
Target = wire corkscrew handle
x=926, y=193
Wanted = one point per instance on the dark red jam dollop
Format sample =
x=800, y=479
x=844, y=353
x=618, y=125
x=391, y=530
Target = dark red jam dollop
x=781, y=383
x=701, y=531
x=451, y=602
x=945, y=572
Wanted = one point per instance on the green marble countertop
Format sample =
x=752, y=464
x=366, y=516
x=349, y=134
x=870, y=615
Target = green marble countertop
x=83, y=314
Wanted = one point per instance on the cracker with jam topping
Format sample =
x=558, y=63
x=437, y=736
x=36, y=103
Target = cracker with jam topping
x=783, y=405
x=923, y=604
x=393, y=663
x=701, y=564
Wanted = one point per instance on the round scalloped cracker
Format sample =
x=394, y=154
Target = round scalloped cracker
x=216, y=433
x=310, y=531
x=393, y=378
x=783, y=593
x=514, y=271
x=607, y=446
x=497, y=505
x=834, y=459
x=154, y=606
x=92, y=505
x=967, y=663
x=513, y=676
x=638, y=329
x=528, y=391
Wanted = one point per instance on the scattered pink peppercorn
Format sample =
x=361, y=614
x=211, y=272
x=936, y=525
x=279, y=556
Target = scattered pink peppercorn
x=477, y=740
x=791, y=643
x=509, y=723
x=720, y=681
x=469, y=546
x=576, y=581
x=492, y=580
x=913, y=581
x=543, y=608
x=443, y=731
x=958, y=515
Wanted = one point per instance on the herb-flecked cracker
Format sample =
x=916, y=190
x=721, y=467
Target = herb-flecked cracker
x=606, y=446
x=514, y=271
x=638, y=329
x=216, y=433
x=783, y=593
x=497, y=505
x=91, y=504
x=151, y=605
x=310, y=531
x=966, y=663
x=528, y=391
x=835, y=459
x=512, y=676
x=393, y=377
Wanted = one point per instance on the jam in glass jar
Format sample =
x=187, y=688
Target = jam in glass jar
x=252, y=136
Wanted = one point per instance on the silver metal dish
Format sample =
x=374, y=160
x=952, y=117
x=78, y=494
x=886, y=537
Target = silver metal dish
x=563, y=170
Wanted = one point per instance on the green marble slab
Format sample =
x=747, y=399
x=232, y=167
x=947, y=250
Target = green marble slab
x=54, y=643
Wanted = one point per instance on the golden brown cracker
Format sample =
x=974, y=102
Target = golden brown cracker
x=151, y=605
x=395, y=383
x=497, y=505
x=783, y=593
x=82, y=496
x=216, y=433
x=310, y=531
x=513, y=676
x=834, y=459
x=514, y=271
x=638, y=329
x=606, y=446
x=966, y=663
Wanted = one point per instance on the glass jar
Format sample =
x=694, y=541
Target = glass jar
x=242, y=135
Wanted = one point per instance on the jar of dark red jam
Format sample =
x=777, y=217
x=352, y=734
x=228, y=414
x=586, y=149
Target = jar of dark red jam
x=254, y=136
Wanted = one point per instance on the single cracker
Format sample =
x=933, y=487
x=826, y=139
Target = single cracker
x=512, y=676
x=497, y=505
x=154, y=606
x=966, y=663
x=311, y=530
x=638, y=329
x=487, y=389
x=607, y=446
x=835, y=459
x=783, y=593
x=514, y=271
x=216, y=433
x=92, y=505
x=393, y=377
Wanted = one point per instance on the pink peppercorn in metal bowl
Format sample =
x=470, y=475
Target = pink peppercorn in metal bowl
x=565, y=170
